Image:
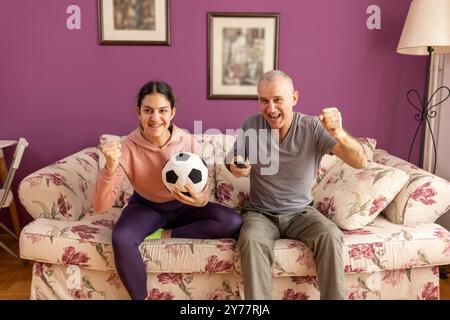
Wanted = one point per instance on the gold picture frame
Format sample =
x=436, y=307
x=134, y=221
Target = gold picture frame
x=123, y=22
x=241, y=47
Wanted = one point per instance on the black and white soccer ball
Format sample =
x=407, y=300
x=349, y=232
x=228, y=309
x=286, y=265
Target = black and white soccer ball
x=183, y=169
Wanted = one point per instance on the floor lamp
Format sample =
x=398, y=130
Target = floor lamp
x=426, y=32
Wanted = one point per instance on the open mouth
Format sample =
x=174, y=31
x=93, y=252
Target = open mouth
x=275, y=116
x=154, y=126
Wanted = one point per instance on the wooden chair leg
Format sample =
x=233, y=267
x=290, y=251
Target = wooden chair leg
x=14, y=217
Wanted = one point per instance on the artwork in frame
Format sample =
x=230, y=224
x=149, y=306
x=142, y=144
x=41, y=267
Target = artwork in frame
x=145, y=22
x=241, y=47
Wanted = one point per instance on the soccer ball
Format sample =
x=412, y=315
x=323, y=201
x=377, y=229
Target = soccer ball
x=183, y=169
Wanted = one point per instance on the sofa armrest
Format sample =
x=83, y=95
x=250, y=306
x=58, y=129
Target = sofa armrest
x=423, y=199
x=63, y=190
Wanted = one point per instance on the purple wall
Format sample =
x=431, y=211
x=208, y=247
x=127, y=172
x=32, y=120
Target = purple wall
x=61, y=90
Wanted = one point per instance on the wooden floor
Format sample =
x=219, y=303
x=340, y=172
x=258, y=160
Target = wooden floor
x=15, y=279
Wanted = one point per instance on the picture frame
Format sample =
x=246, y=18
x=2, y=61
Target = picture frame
x=241, y=47
x=134, y=22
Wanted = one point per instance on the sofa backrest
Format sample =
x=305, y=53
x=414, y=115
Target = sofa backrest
x=62, y=190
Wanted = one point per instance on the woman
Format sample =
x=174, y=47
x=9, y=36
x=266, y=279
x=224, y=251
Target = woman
x=141, y=157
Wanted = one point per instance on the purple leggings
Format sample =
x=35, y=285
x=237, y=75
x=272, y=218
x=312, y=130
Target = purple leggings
x=141, y=217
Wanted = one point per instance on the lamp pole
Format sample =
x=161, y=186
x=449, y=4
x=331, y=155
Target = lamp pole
x=425, y=113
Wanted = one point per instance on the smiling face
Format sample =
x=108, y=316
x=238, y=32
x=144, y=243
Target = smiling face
x=277, y=99
x=155, y=115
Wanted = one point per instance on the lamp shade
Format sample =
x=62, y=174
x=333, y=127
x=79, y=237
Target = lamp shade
x=427, y=25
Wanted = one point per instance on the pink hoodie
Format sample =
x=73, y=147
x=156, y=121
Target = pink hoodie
x=142, y=162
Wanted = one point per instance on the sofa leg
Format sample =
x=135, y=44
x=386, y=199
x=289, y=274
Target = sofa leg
x=443, y=273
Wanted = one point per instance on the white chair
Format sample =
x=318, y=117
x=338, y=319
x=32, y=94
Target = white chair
x=6, y=195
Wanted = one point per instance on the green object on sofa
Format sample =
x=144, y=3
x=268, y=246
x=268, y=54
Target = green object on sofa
x=155, y=235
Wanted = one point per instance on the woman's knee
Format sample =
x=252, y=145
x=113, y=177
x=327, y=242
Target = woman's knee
x=228, y=217
x=121, y=237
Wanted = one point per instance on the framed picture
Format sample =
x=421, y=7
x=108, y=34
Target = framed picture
x=241, y=47
x=134, y=22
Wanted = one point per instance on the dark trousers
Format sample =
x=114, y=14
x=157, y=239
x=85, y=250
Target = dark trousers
x=141, y=217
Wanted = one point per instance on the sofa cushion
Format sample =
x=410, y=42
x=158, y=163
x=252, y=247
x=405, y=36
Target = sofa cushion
x=352, y=198
x=424, y=198
x=328, y=160
x=230, y=191
x=87, y=243
x=381, y=245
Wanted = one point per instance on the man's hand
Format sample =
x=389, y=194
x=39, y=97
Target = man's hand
x=112, y=155
x=347, y=148
x=240, y=170
x=332, y=122
x=196, y=199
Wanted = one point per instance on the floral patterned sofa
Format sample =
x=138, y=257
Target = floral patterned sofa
x=395, y=255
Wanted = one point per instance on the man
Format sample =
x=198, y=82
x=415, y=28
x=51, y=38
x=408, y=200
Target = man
x=280, y=203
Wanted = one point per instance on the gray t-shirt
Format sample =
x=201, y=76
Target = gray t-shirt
x=289, y=189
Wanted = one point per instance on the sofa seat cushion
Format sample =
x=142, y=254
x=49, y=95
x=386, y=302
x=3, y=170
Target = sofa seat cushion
x=380, y=245
x=87, y=243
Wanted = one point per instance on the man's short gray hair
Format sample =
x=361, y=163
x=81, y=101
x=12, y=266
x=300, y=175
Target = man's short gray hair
x=272, y=75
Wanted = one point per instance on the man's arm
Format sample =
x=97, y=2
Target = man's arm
x=347, y=148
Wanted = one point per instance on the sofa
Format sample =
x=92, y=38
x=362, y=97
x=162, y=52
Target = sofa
x=392, y=249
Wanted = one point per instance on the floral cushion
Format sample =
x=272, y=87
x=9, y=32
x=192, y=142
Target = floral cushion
x=59, y=282
x=352, y=198
x=328, y=160
x=380, y=245
x=87, y=243
x=230, y=191
x=62, y=190
x=423, y=199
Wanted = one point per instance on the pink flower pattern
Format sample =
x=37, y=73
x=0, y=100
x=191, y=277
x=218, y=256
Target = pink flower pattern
x=63, y=206
x=114, y=280
x=85, y=232
x=424, y=194
x=175, y=249
x=377, y=205
x=364, y=250
x=326, y=207
x=365, y=175
x=356, y=231
x=155, y=294
x=72, y=257
x=77, y=294
x=104, y=223
x=170, y=278
x=393, y=277
x=350, y=269
x=430, y=291
x=226, y=244
x=354, y=294
x=304, y=279
x=215, y=265
x=290, y=294
x=243, y=199
x=223, y=192
x=35, y=238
